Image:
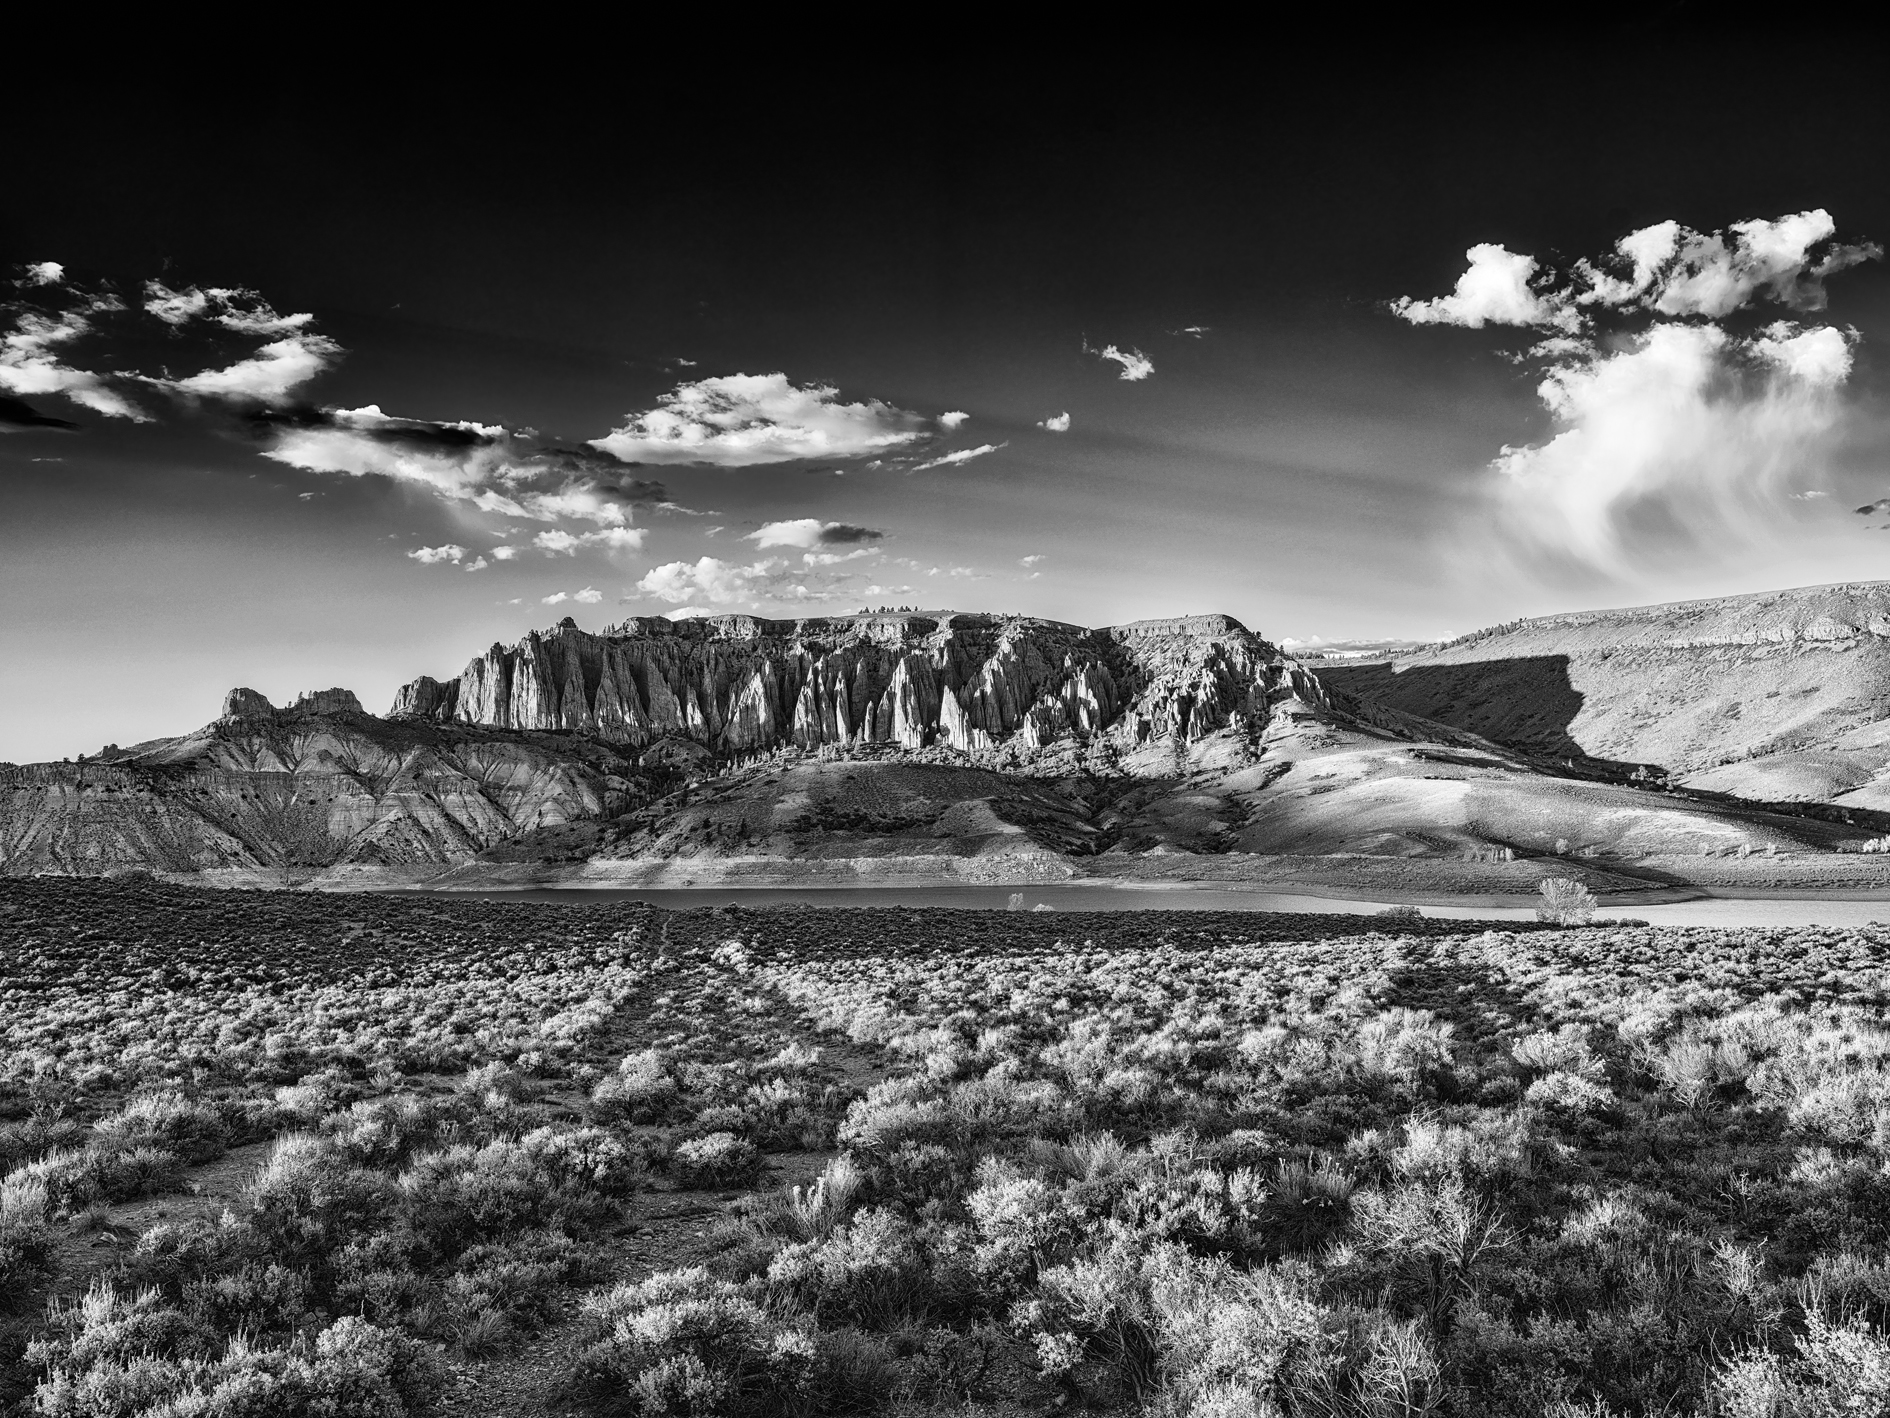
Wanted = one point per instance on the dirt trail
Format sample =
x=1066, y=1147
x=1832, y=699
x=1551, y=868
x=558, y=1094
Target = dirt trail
x=661, y=1229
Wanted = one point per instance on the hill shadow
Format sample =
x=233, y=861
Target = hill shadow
x=1527, y=702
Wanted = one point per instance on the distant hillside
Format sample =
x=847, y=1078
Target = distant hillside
x=1782, y=697
x=962, y=747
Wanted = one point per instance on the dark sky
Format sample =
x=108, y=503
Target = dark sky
x=536, y=250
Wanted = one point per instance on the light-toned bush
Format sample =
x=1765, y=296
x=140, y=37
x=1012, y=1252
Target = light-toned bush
x=1565, y=902
x=719, y=1160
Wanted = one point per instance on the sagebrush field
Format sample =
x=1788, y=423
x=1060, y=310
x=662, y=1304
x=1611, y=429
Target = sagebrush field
x=282, y=1154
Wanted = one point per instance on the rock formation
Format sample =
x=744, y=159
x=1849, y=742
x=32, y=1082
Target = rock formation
x=739, y=684
x=1777, y=697
x=311, y=786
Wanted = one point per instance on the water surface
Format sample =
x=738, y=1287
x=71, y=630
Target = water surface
x=1717, y=911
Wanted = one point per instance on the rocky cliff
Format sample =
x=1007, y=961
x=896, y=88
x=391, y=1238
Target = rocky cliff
x=978, y=683
x=961, y=746
x=1780, y=696
x=314, y=785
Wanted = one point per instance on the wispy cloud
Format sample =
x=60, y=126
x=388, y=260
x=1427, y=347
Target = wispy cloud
x=32, y=361
x=963, y=455
x=267, y=377
x=1033, y=559
x=491, y=467
x=231, y=307
x=742, y=420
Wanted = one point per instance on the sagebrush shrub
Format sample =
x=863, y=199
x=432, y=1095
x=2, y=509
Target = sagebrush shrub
x=193, y=1131
x=719, y=1160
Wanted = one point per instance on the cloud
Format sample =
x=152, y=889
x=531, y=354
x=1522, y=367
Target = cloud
x=589, y=596
x=1676, y=434
x=478, y=563
x=493, y=468
x=963, y=455
x=558, y=540
x=17, y=414
x=1665, y=270
x=45, y=273
x=709, y=578
x=953, y=419
x=432, y=556
x=267, y=376
x=30, y=364
x=504, y=553
x=811, y=532
x=1030, y=560
x=556, y=598
x=726, y=583
x=1871, y=509
x=1809, y=495
x=1135, y=364
x=1684, y=437
x=1057, y=423
x=834, y=558
x=1498, y=289
x=1197, y=331
x=231, y=307
x=742, y=420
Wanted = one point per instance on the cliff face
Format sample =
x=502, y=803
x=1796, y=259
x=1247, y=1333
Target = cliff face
x=738, y=684
x=314, y=785
x=1779, y=696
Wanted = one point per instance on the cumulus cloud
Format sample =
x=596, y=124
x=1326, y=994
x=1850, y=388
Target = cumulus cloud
x=727, y=583
x=963, y=455
x=1057, y=423
x=1665, y=269
x=558, y=541
x=709, y=578
x=1135, y=364
x=811, y=532
x=556, y=598
x=1498, y=289
x=478, y=563
x=1678, y=431
x=45, y=273
x=952, y=419
x=1030, y=560
x=742, y=420
x=433, y=556
x=504, y=553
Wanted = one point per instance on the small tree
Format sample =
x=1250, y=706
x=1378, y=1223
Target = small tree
x=1565, y=902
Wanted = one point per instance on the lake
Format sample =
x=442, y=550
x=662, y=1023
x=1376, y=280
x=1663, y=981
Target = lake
x=1717, y=911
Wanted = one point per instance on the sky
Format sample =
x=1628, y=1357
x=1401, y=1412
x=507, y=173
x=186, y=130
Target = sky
x=299, y=394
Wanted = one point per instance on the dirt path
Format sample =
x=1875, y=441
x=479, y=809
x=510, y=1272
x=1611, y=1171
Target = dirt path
x=661, y=1229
